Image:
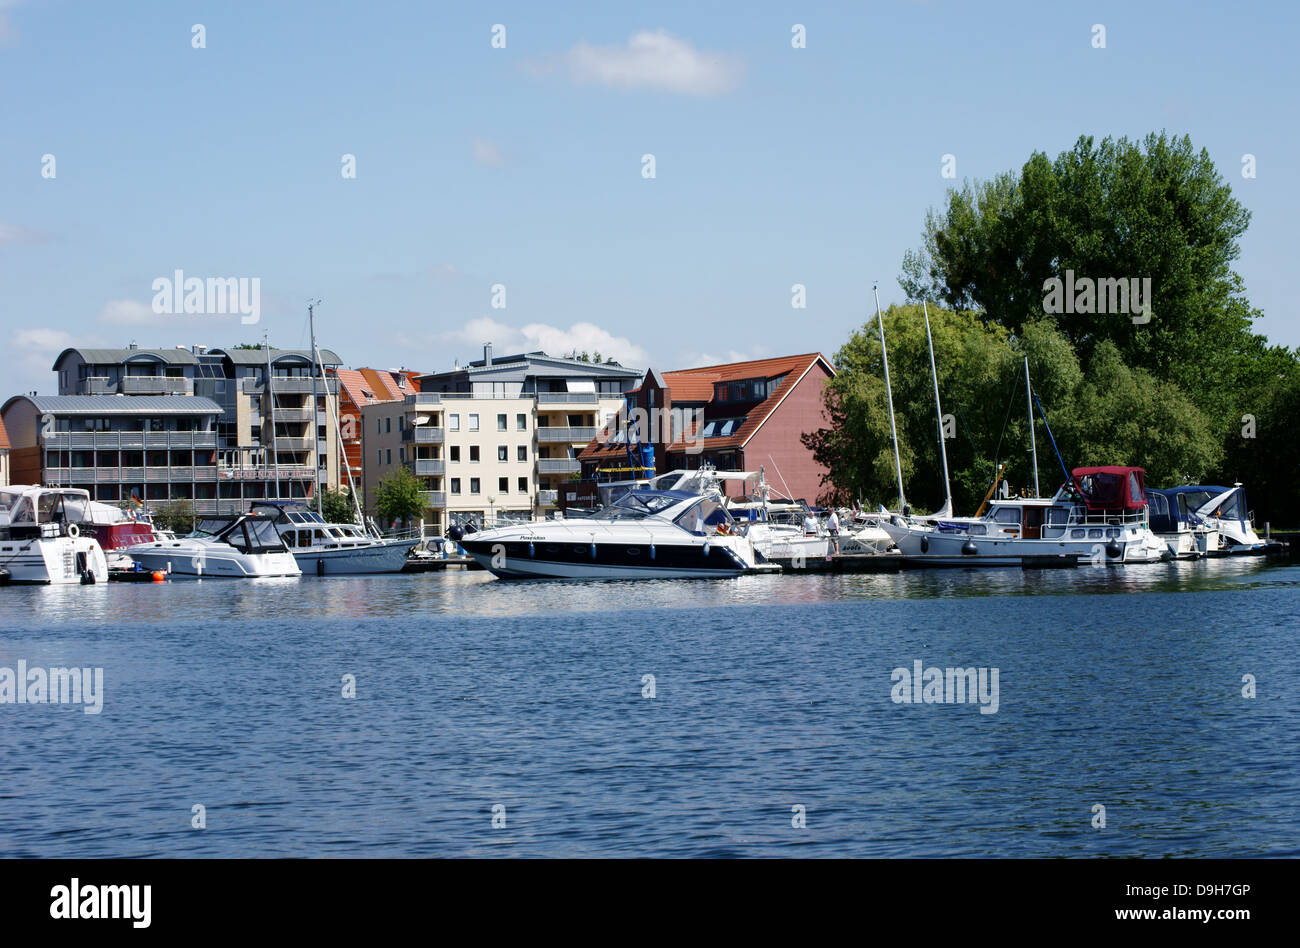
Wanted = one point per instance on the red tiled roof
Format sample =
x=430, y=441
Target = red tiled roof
x=371, y=386
x=697, y=385
x=4, y=438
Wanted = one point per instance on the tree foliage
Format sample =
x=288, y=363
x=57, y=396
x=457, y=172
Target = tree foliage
x=337, y=506
x=397, y=497
x=174, y=515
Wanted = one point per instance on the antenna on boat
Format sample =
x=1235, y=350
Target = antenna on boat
x=1033, y=446
x=943, y=448
x=889, y=395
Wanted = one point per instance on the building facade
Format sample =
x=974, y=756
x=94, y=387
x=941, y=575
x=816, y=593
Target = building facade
x=495, y=440
x=270, y=438
x=737, y=417
x=5, y=477
x=359, y=388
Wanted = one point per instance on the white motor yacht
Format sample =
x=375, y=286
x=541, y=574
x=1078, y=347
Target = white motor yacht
x=240, y=547
x=42, y=540
x=644, y=534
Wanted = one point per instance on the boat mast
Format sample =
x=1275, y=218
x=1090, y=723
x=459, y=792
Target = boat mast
x=943, y=448
x=889, y=396
x=270, y=413
x=315, y=426
x=1033, y=447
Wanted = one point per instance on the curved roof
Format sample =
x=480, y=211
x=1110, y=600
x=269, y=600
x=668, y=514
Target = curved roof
x=120, y=404
x=180, y=356
x=258, y=356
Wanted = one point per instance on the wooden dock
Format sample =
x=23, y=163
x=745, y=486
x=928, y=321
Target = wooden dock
x=438, y=565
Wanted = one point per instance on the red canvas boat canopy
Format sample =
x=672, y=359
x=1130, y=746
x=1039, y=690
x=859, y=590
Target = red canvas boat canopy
x=1111, y=488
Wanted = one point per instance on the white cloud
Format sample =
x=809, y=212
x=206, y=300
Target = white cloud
x=41, y=340
x=553, y=340
x=655, y=60
x=127, y=313
x=487, y=154
x=695, y=360
x=34, y=350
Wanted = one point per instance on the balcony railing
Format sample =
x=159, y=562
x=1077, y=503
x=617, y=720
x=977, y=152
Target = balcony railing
x=292, y=385
x=570, y=435
x=571, y=397
x=558, y=466
x=426, y=468
x=434, y=498
x=423, y=434
x=423, y=398
x=155, y=385
x=113, y=440
x=548, y=498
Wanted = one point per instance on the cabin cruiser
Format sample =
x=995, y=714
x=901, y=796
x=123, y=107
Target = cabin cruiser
x=1189, y=536
x=245, y=546
x=1100, y=516
x=327, y=548
x=118, y=531
x=644, y=534
x=41, y=538
x=1224, y=510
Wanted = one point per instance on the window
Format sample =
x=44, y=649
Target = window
x=453, y=422
x=473, y=485
x=503, y=485
x=522, y=453
x=389, y=452
x=521, y=422
x=379, y=456
x=503, y=453
x=388, y=425
x=455, y=485
x=1007, y=515
x=473, y=453
x=454, y=451
x=379, y=426
x=473, y=422
x=501, y=422
x=523, y=485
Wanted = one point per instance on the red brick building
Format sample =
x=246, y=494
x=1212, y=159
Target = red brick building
x=737, y=417
x=361, y=387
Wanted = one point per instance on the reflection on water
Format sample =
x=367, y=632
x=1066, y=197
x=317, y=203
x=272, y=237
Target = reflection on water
x=1117, y=686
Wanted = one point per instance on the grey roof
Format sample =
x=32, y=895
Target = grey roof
x=115, y=356
x=258, y=356
x=121, y=404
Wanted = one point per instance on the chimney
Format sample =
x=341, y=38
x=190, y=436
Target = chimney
x=487, y=354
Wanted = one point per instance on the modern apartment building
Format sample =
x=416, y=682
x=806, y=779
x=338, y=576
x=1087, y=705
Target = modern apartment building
x=494, y=440
x=155, y=448
x=269, y=440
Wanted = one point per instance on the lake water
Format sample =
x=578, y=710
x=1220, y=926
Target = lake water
x=1118, y=687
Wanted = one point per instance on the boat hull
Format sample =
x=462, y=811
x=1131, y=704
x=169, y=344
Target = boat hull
x=949, y=548
x=185, y=562
x=516, y=559
x=55, y=561
x=385, y=556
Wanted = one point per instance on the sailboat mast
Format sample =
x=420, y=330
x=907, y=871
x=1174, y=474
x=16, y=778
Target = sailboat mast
x=315, y=425
x=934, y=374
x=889, y=395
x=270, y=414
x=1033, y=447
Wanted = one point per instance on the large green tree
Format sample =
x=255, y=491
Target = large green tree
x=397, y=497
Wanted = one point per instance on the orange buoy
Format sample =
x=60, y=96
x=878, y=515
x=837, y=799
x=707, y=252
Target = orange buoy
x=159, y=576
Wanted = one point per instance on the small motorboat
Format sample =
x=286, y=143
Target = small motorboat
x=42, y=539
x=326, y=549
x=241, y=547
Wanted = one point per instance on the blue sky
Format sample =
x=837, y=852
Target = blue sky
x=522, y=166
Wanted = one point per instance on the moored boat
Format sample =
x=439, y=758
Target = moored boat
x=42, y=540
x=241, y=547
x=323, y=549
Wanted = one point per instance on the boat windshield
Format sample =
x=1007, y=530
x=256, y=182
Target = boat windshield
x=637, y=505
x=209, y=527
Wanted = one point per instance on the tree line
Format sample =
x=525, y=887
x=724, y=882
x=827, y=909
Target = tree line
x=1184, y=387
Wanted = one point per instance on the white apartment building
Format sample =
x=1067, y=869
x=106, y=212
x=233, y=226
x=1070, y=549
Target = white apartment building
x=492, y=441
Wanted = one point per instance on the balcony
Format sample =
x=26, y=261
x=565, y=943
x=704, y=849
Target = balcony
x=114, y=440
x=417, y=399
x=423, y=434
x=154, y=385
x=558, y=466
x=588, y=398
x=291, y=385
x=566, y=435
x=285, y=443
x=99, y=385
x=434, y=498
x=426, y=468
x=295, y=414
